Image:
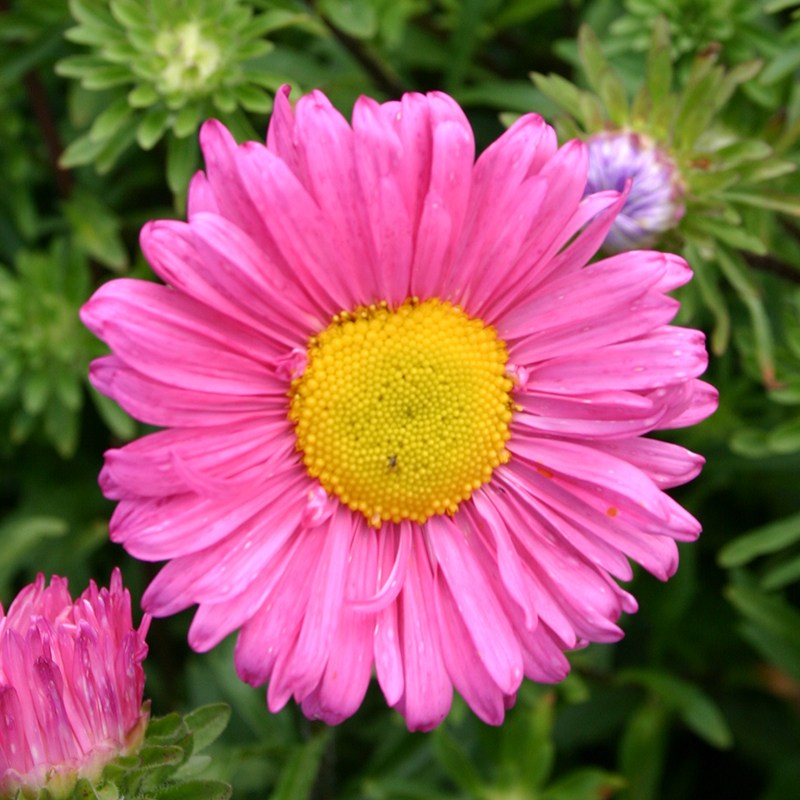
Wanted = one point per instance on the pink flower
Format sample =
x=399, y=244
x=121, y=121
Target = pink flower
x=403, y=417
x=71, y=683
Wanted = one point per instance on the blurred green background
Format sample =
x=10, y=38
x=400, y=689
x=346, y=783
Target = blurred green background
x=100, y=103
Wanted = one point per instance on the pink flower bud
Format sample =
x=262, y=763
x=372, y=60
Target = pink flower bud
x=71, y=683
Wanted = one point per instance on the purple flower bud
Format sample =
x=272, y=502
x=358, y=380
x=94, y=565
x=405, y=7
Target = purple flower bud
x=655, y=201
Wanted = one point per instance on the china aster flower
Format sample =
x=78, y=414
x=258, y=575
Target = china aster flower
x=403, y=418
x=71, y=684
x=654, y=203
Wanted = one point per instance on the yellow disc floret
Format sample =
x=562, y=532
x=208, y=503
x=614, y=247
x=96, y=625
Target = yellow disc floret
x=403, y=413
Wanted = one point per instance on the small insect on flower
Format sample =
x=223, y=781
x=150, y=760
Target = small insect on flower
x=417, y=485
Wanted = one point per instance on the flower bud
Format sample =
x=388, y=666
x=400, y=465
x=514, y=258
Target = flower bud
x=655, y=199
x=71, y=684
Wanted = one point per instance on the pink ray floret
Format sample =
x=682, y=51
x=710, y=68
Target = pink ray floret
x=327, y=216
x=71, y=683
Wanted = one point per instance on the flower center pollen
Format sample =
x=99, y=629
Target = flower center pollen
x=403, y=413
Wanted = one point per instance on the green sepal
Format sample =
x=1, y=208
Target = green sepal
x=156, y=770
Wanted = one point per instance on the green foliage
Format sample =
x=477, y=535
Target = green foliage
x=100, y=103
x=45, y=353
x=726, y=172
x=166, y=765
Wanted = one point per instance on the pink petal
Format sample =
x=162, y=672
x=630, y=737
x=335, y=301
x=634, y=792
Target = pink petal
x=170, y=338
x=347, y=672
x=428, y=691
x=493, y=639
x=275, y=623
x=468, y=673
x=298, y=670
x=667, y=355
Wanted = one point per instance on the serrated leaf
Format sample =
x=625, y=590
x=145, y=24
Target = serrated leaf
x=153, y=756
x=168, y=728
x=207, y=723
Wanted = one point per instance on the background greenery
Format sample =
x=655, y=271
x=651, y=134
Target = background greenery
x=100, y=102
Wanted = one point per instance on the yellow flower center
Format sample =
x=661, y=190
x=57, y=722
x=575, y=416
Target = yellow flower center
x=403, y=413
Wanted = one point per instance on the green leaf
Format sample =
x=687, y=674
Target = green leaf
x=143, y=95
x=195, y=790
x=737, y=237
x=784, y=64
x=697, y=710
x=111, y=120
x=773, y=626
x=96, y=230
x=737, y=274
x=658, y=74
x=120, y=424
x=107, y=77
x=129, y=13
x=456, y=763
x=357, y=18
x=299, y=774
x=78, y=66
x=167, y=729
x=561, y=92
x=183, y=159
x=784, y=574
x=207, y=723
x=595, y=65
x=532, y=730
x=82, y=151
x=761, y=541
x=588, y=783
x=152, y=127
x=20, y=535
x=253, y=99
x=782, y=202
x=642, y=751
